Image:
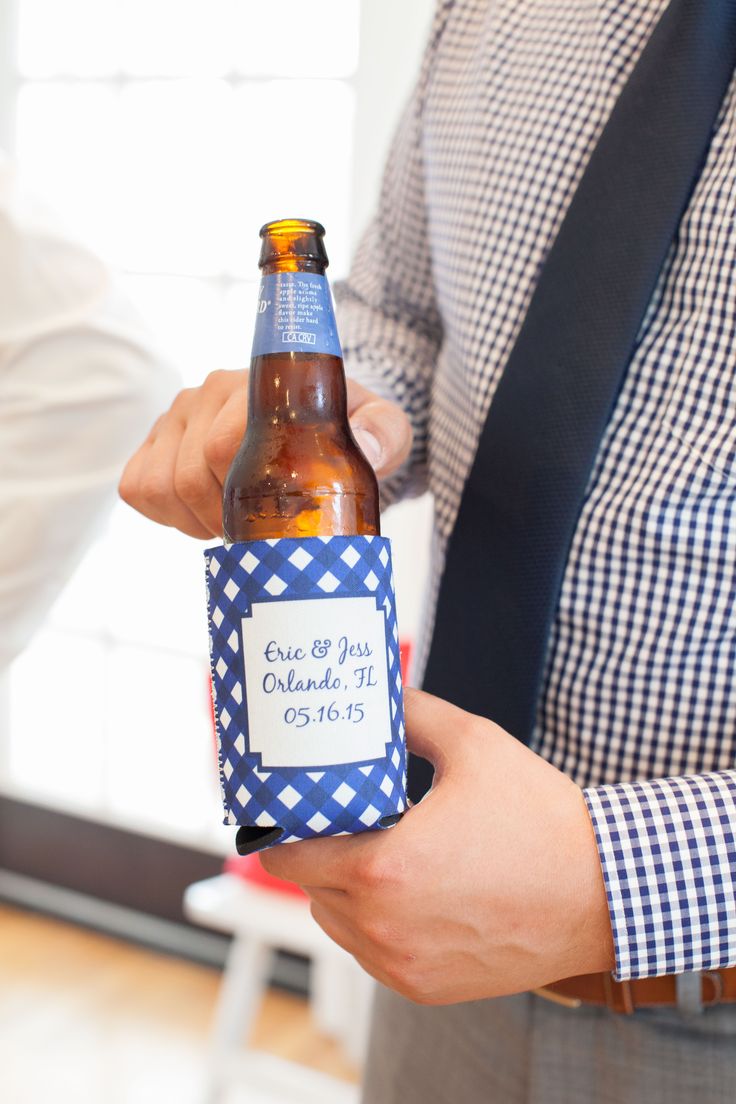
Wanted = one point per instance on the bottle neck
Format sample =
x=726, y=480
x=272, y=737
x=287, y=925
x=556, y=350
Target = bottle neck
x=293, y=264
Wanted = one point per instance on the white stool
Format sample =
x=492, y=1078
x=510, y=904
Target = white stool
x=262, y=920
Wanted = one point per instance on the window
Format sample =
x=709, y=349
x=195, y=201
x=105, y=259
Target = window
x=167, y=132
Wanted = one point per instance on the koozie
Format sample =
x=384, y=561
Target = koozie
x=306, y=684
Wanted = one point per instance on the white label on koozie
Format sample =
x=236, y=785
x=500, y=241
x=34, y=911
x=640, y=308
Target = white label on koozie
x=316, y=677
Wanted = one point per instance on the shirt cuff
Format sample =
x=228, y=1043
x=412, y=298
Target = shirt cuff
x=668, y=852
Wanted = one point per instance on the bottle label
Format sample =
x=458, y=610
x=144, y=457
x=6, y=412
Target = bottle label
x=306, y=683
x=295, y=314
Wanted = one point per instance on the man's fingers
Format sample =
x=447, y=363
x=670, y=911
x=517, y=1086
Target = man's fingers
x=176, y=476
x=433, y=727
x=148, y=482
x=195, y=482
x=225, y=434
x=343, y=933
x=326, y=863
x=196, y=486
x=338, y=929
x=380, y=427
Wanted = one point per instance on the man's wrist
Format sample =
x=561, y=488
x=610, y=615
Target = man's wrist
x=578, y=928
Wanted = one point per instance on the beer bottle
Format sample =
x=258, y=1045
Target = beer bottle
x=299, y=471
x=303, y=636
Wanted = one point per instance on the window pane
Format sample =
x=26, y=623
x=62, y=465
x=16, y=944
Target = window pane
x=285, y=170
x=189, y=37
x=179, y=176
x=293, y=38
x=58, y=706
x=78, y=37
x=240, y=318
x=174, y=37
x=162, y=765
x=83, y=606
x=139, y=37
x=66, y=144
x=139, y=583
x=159, y=598
x=193, y=319
x=173, y=143
x=139, y=174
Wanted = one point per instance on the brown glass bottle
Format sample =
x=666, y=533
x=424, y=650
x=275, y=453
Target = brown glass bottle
x=299, y=471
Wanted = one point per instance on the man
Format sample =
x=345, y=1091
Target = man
x=79, y=377
x=508, y=876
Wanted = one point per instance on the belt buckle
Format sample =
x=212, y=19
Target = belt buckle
x=557, y=998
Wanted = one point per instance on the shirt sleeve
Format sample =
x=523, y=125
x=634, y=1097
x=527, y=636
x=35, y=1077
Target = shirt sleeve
x=668, y=852
x=80, y=384
x=390, y=325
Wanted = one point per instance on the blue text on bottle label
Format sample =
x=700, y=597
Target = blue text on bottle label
x=316, y=681
x=295, y=314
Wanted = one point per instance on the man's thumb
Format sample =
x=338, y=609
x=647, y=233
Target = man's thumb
x=383, y=432
x=432, y=726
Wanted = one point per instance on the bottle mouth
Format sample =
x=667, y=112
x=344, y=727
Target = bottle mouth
x=298, y=238
x=292, y=226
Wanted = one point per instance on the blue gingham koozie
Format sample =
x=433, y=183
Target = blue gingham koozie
x=306, y=684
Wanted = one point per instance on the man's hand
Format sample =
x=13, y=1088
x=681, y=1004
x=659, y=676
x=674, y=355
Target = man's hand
x=176, y=476
x=492, y=885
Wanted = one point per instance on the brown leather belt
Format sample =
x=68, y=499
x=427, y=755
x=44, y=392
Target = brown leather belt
x=717, y=987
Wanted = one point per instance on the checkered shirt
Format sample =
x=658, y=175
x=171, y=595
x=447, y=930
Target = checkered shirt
x=637, y=703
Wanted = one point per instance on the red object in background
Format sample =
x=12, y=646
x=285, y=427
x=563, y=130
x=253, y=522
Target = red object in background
x=211, y=713
x=248, y=867
x=405, y=659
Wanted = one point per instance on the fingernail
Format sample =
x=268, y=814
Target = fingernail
x=370, y=446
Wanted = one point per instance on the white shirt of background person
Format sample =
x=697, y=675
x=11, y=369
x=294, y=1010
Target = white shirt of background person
x=80, y=384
